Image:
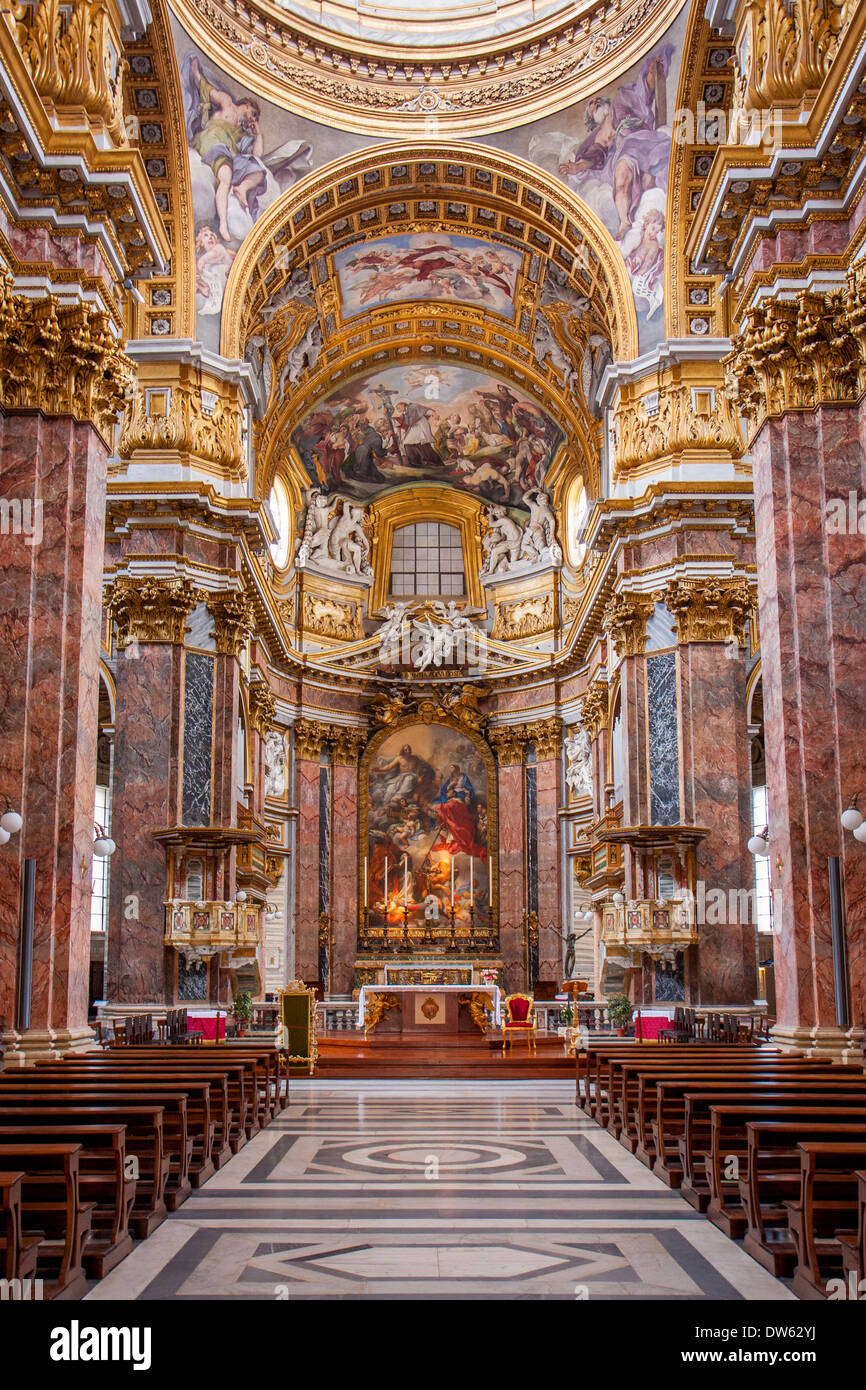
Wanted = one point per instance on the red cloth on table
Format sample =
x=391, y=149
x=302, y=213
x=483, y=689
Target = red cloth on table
x=648, y=1027
x=207, y=1026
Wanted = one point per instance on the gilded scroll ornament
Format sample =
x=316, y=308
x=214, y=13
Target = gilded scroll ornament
x=594, y=707
x=263, y=707
x=233, y=621
x=61, y=359
x=150, y=610
x=74, y=58
x=187, y=426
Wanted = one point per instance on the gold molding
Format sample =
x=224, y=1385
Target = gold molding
x=150, y=610
x=61, y=359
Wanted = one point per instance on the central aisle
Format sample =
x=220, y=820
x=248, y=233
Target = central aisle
x=395, y=1189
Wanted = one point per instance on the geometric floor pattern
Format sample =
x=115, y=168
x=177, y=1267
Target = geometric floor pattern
x=440, y=1189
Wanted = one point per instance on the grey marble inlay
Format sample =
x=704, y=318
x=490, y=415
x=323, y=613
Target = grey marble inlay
x=436, y=1191
x=197, y=738
x=199, y=629
x=663, y=739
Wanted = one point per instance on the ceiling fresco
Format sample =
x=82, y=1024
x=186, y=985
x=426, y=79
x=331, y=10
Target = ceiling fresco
x=433, y=266
x=428, y=422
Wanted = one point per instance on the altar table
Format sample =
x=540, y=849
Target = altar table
x=426, y=1008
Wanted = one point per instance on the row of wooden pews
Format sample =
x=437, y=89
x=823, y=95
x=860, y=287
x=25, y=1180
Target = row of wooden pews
x=96, y=1147
x=770, y=1145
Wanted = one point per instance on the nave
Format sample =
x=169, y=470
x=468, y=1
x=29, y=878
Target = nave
x=339, y=1198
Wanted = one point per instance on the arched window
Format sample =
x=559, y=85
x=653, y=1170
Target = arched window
x=427, y=559
x=576, y=509
x=279, y=505
x=616, y=758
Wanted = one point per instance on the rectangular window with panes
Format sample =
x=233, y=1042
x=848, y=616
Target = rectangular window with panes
x=427, y=561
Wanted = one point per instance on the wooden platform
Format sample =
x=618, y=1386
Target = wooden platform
x=454, y=1058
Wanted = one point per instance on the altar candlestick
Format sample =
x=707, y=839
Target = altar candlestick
x=386, y=887
x=471, y=881
x=452, y=880
x=405, y=880
x=365, y=880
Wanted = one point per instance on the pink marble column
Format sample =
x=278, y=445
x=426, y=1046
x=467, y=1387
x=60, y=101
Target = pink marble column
x=346, y=892
x=146, y=795
x=307, y=870
x=550, y=908
x=50, y=598
x=714, y=751
x=512, y=872
x=812, y=591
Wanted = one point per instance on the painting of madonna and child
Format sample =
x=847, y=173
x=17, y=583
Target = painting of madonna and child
x=431, y=422
x=427, y=836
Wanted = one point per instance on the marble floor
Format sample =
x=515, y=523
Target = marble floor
x=440, y=1189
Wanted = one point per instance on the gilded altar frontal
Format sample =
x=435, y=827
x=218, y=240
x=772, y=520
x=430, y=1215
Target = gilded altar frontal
x=432, y=524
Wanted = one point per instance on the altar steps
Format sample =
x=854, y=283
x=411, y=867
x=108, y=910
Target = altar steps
x=346, y=1056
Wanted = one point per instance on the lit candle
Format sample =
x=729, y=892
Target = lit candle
x=365, y=880
x=452, y=880
x=386, y=885
x=490, y=885
x=471, y=881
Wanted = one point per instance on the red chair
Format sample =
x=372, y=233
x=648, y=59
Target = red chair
x=519, y=1020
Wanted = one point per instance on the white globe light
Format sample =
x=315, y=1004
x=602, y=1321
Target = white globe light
x=618, y=899
x=758, y=845
x=201, y=903
x=240, y=896
x=860, y=833
x=103, y=846
x=4, y=835
x=11, y=821
x=851, y=819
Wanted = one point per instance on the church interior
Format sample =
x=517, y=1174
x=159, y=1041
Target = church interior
x=432, y=512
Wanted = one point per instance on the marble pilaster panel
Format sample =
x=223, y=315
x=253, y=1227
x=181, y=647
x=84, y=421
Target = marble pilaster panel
x=347, y=893
x=661, y=675
x=512, y=872
x=50, y=598
x=307, y=870
x=550, y=906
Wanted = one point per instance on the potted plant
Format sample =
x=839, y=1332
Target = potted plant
x=242, y=1008
x=566, y=1018
x=620, y=1011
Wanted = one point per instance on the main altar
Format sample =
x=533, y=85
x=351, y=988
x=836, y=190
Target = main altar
x=439, y=1012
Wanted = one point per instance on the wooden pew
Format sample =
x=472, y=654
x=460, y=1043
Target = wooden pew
x=208, y=1111
x=586, y=1061
x=604, y=1061
x=695, y=1144
x=102, y=1180
x=827, y=1203
x=177, y=1140
x=853, y=1245
x=729, y=1139
x=271, y=1069
x=18, y=1253
x=52, y=1207
x=238, y=1074
x=662, y=1106
x=144, y=1141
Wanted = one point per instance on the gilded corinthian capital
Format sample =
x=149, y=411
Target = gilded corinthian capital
x=347, y=743
x=711, y=610
x=233, y=620
x=796, y=354
x=150, y=610
x=310, y=734
x=509, y=744
x=61, y=359
x=594, y=706
x=263, y=707
x=625, y=619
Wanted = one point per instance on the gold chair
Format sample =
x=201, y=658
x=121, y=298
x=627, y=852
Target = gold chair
x=519, y=1020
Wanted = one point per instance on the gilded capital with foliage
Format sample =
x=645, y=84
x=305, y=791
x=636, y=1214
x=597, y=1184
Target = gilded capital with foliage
x=625, y=619
x=710, y=609
x=234, y=620
x=150, y=610
x=263, y=706
x=594, y=707
x=347, y=743
x=310, y=734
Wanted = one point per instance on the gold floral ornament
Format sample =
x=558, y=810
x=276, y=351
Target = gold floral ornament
x=711, y=610
x=625, y=619
x=234, y=620
x=61, y=359
x=74, y=56
x=594, y=707
x=263, y=707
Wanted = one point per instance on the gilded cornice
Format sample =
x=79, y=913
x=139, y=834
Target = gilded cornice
x=150, y=610
x=211, y=433
x=800, y=353
x=511, y=741
x=468, y=88
x=625, y=620
x=711, y=610
x=61, y=359
x=234, y=620
x=310, y=734
x=674, y=426
x=594, y=707
x=262, y=705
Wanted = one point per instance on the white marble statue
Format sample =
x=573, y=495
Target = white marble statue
x=275, y=763
x=502, y=542
x=544, y=345
x=578, y=775
x=304, y=355
x=347, y=543
x=539, y=536
x=317, y=527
